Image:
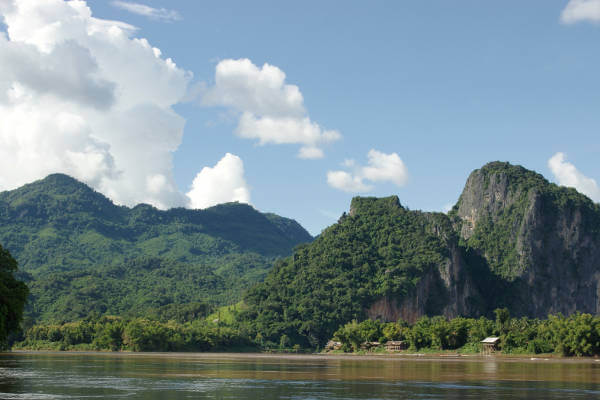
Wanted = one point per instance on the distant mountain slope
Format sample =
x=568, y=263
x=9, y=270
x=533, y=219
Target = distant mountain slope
x=59, y=224
x=139, y=287
x=513, y=240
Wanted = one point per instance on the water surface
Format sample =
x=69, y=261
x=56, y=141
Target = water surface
x=156, y=376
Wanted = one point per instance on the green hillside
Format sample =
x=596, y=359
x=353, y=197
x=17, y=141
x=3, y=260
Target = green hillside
x=78, y=250
x=379, y=249
x=513, y=240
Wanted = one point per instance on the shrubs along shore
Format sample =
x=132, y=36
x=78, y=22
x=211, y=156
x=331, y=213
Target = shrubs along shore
x=576, y=335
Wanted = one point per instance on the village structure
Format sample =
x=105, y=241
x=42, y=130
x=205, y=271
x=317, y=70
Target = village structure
x=489, y=345
x=390, y=346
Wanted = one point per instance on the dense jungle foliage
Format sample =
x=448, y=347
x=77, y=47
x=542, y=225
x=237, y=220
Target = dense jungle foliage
x=110, y=333
x=13, y=294
x=133, y=289
x=576, y=335
x=378, y=249
x=80, y=253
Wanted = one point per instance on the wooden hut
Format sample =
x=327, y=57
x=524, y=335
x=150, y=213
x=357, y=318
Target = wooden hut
x=489, y=345
x=369, y=345
x=333, y=345
x=396, y=345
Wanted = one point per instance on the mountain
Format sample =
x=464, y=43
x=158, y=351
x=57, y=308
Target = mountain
x=71, y=240
x=538, y=243
x=513, y=240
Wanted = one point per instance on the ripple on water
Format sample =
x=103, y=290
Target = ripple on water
x=161, y=380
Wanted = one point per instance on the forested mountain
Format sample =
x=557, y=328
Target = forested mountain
x=513, y=240
x=81, y=253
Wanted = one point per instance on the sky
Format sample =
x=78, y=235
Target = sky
x=296, y=107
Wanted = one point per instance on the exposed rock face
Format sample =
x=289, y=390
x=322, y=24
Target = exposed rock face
x=539, y=242
x=446, y=289
x=520, y=242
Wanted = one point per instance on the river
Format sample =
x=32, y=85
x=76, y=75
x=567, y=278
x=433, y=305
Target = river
x=156, y=376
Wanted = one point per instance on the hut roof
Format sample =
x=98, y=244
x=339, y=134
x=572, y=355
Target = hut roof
x=491, y=340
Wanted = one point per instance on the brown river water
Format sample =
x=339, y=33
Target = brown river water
x=31, y=375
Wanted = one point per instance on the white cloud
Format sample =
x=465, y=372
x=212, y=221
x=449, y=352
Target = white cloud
x=80, y=95
x=567, y=174
x=380, y=167
x=347, y=182
x=222, y=183
x=581, y=10
x=161, y=14
x=309, y=153
x=241, y=85
x=271, y=111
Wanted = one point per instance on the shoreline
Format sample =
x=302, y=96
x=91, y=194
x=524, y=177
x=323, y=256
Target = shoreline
x=320, y=356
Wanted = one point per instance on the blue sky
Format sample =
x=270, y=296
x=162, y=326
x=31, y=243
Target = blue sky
x=446, y=86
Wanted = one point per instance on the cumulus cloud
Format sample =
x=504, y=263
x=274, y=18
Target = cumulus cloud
x=82, y=96
x=161, y=14
x=581, y=10
x=271, y=111
x=567, y=174
x=380, y=167
x=222, y=183
x=347, y=182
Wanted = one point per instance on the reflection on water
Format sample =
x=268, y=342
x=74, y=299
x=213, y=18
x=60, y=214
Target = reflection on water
x=226, y=376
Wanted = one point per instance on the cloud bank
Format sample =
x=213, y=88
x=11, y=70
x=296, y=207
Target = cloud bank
x=567, y=174
x=161, y=14
x=580, y=11
x=80, y=95
x=220, y=184
x=271, y=111
x=380, y=167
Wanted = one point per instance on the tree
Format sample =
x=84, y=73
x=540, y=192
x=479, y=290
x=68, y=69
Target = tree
x=13, y=295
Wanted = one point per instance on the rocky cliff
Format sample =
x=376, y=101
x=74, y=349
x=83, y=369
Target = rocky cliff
x=535, y=244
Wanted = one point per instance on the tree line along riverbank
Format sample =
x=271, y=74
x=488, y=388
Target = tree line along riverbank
x=575, y=335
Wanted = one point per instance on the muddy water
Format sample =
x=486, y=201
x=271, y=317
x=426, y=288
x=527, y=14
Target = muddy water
x=263, y=377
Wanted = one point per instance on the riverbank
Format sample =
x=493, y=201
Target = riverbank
x=550, y=358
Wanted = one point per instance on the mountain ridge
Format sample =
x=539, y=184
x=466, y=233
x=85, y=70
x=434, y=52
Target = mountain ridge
x=512, y=240
x=60, y=202
x=70, y=240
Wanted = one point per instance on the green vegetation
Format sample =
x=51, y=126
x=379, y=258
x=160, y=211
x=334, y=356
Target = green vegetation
x=81, y=254
x=109, y=333
x=379, y=249
x=136, y=288
x=576, y=335
x=13, y=294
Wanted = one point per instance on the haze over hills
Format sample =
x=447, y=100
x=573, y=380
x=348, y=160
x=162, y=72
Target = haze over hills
x=82, y=253
x=513, y=240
